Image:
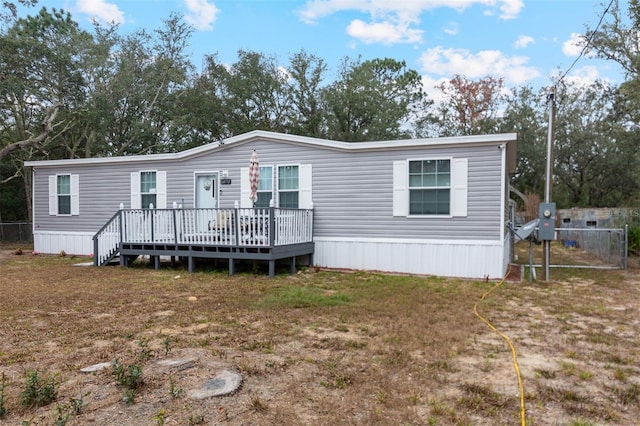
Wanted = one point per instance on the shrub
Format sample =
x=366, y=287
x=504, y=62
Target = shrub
x=38, y=391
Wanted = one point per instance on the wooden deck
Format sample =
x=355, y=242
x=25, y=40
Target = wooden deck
x=232, y=234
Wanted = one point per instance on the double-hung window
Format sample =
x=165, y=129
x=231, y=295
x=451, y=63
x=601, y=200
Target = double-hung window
x=64, y=199
x=430, y=187
x=148, y=189
x=265, y=187
x=288, y=187
x=64, y=194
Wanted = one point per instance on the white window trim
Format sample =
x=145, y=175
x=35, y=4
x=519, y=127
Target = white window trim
x=458, y=186
x=161, y=189
x=245, y=185
x=305, y=185
x=278, y=190
x=74, y=193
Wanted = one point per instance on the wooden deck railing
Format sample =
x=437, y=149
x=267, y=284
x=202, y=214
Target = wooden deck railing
x=222, y=227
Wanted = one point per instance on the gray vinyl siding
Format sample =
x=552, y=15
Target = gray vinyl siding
x=352, y=191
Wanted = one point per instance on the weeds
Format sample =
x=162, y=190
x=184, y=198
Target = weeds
x=38, y=391
x=3, y=384
x=129, y=378
x=628, y=395
x=196, y=419
x=304, y=297
x=400, y=341
x=338, y=380
x=174, y=390
x=258, y=405
x=166, y=344
x=63, y=414
x=144, y=351
x=160, y=417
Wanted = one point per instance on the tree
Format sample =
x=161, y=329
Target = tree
x=40, y=81
x=135, y=93
x=470, y=107
x=9, y=10
x=372, y=100
x=307, y=72
x=256, y=94
x=526, y=115
x=596, y=165
x=204, y=114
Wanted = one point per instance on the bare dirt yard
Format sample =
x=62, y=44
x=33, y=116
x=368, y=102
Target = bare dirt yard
x=316, y=348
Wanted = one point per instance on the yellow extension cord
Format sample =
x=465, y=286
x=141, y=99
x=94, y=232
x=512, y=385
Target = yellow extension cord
x=513, y=349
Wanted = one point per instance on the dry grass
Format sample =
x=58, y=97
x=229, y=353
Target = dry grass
x=319, y=348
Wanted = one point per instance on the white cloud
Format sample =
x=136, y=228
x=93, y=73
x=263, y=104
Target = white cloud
x=523, y=41
x=574, y=45
x=449, y=62
x=430, y=86
x=393, y=21
x=583, y=76
x=509, y=8
x=313, y=10
x=101, y=10
x=452, y=28
x=383, y=32
x=201, y=14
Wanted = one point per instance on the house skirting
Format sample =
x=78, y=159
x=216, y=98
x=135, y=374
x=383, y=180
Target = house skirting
x=464, y=259
x=52, y=242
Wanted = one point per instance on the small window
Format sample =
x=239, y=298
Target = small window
x=566, y=220
x=148, y=189
x=265, y=187
x=64, y=194
x=592, y=223
x=430, y=187
x=288, y=187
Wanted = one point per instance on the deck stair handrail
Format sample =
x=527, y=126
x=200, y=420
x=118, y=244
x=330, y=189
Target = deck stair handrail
x=106, y=242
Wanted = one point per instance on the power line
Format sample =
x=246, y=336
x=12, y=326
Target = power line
x=589, y=40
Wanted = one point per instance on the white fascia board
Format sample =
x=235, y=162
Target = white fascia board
x=287, y=138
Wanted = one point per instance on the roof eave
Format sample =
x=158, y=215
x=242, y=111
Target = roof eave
x=509, y=138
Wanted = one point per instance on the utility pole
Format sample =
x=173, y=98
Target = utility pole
x=548, y=179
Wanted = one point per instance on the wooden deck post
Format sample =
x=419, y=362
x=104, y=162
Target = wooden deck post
x=232, y=266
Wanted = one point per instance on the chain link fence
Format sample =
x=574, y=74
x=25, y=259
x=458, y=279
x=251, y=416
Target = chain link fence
x=607, y=245
x=11, y=232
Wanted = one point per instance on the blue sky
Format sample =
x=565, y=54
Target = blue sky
x=522, y=41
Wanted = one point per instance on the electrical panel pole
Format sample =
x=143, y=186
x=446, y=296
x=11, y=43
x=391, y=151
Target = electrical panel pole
x=547, y=211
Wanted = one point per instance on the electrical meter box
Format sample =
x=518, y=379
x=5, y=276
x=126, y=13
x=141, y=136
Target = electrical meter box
x=547, y=223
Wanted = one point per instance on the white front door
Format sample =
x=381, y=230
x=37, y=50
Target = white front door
x=206, y=198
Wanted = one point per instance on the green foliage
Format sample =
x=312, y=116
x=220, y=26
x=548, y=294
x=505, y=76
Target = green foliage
x=145, y=99
x=144, y=351
x=160, y=417
x=174, y=390
x=129, y=378
x=38, y=391
x=63, y=414
x=3, y=384
x=371, y=100
x=305, y=297
x=166, y=344
x=634, y=239
x=196, y=419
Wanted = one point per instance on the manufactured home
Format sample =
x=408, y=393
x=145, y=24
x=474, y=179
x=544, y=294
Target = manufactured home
x=420, y=206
